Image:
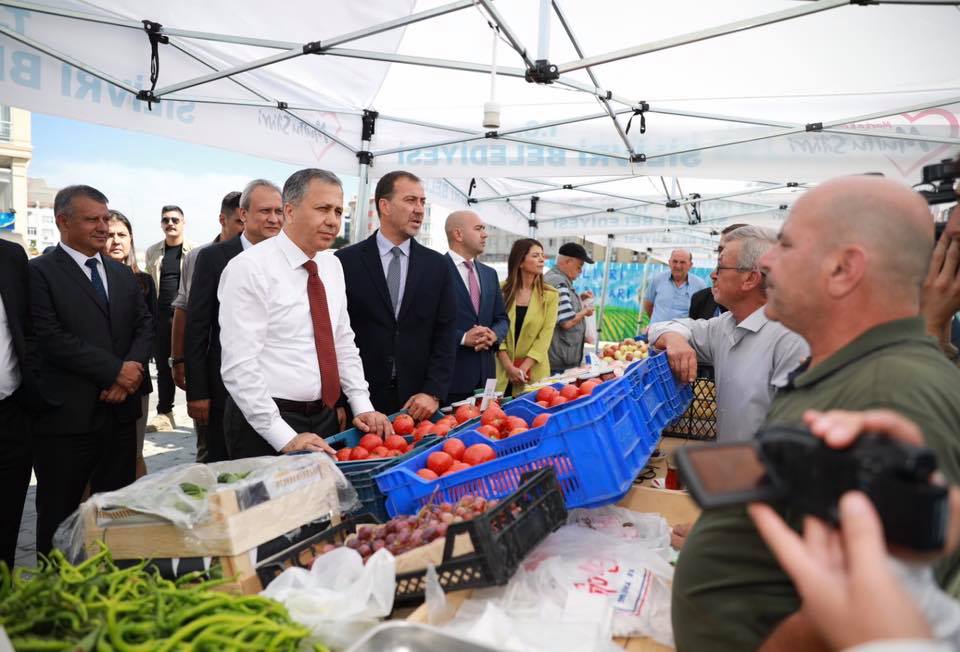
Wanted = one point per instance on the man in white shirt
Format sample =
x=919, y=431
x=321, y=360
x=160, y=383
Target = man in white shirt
x=288, y=347
x=752, y=355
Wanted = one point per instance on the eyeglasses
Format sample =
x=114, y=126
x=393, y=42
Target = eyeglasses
x=723, y=267
x=170, y=220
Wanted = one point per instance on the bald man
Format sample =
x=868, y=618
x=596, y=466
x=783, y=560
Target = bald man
x=669, y=293
x=845, y=275
x=482, y=321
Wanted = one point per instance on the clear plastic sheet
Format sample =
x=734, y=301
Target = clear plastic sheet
x=210, y=509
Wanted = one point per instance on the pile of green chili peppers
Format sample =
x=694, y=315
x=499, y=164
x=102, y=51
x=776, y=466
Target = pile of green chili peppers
x=97, y=606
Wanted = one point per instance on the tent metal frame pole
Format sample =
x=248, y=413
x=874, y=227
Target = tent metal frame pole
x=742, y=193
x=596, y=92
x=616, y=196
x=705, y=34
x=423, y=123
x=760, y=122
x=579, y=150
x=893, y=136
x=553, y=187
x=90, y=70
x=327, y=134
x=358, y=224
x=438, y=143
x=507, y=31
x=557, y=123
x=617, y=211
x=604, y=101
x=430, y=62
x=299, y=50
x=886, y=113
x=643, y=291
x=728, y=143
x=607, y=258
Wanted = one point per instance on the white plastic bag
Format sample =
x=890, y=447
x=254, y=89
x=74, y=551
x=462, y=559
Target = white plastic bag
x=634, y=580
x=647, y=530
x=340, y=597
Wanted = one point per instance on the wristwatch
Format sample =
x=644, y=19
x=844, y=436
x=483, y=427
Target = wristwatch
x=173, y=362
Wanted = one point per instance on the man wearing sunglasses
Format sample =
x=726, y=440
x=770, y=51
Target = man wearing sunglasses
x=165, y=264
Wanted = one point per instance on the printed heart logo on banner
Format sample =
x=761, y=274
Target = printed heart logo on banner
x=929, y=115
x=328, y=120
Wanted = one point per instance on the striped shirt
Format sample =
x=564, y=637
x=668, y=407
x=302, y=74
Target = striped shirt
x=565, y=311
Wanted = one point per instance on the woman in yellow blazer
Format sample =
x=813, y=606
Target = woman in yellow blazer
x=532, y=307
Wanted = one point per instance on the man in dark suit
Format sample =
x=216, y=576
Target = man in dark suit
x=20, y=395
x=402, y=304
x=261, y=210
x=482, y=321
x=95, y=336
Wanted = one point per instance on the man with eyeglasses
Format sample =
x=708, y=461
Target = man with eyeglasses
x=751, y=354
x=703, y=304
x=165, y=265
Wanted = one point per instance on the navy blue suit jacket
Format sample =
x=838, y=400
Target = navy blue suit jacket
x=419, y=340
x=473, y=368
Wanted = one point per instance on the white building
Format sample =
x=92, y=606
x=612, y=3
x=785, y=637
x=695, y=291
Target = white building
x=15, y=152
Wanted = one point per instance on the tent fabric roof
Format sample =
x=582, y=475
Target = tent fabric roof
x=757, y=99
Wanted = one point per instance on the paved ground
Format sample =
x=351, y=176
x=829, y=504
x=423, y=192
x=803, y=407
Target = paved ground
x=161, y=450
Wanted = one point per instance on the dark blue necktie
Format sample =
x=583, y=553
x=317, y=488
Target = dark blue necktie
x=96, y=280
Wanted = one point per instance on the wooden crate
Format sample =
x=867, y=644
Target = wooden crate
x=230, y=532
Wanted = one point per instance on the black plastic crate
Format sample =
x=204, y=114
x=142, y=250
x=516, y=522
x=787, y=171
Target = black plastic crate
x=700, y=420
x=303, y=553
x=501, y=538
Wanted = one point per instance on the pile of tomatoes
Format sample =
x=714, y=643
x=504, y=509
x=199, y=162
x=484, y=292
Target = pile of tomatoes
x=549, y=397
x=495, y=424
x=372, y=447
x=453, y=457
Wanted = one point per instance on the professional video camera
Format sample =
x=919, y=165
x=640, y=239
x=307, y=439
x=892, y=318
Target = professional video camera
x=792, y=467
x=940, y=177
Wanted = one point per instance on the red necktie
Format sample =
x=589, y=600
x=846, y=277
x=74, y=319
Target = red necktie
x=323, y=337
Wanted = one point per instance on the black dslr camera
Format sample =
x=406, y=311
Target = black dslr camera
x=794, y=468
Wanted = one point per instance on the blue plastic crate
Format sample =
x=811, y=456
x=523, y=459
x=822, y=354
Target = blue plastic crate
x=596, y=444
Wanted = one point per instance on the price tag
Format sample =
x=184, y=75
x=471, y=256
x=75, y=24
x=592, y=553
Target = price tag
x=489, y=393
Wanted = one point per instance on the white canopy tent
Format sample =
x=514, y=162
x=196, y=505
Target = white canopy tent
x=643, y=125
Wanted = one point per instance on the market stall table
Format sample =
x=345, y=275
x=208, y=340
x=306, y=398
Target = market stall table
x=675, y=506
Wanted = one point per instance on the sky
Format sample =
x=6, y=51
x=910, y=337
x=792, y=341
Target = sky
x=140, y=173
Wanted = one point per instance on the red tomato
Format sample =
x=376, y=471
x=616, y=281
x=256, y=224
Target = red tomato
x=492, y=416
x=343, y=455
x=543, y=404
x=478, y=454
x=395, y=443
x=439, y=462
x=370, y=442
x=440, y=429
x=588, y=386
x=546, y=394
x=515, y=422
x=489, y=432
x=403, y=424
x=540, y=420
x=395, y=453
x=417, y=436
x=569, y=392
x=379, y=451
x=454, y=448
x=457, y=466
x=407, y=449
x=359, y=453
x=450, y=419
x=427, y=474
x=516, y=431
x=423, y=427
x=466, y=412
x=560, y=400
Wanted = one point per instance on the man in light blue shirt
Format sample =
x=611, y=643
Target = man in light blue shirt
x=668, y=296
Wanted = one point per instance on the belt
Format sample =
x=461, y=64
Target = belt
x=302, y=407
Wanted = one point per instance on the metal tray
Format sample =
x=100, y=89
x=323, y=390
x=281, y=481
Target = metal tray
x=403, y=636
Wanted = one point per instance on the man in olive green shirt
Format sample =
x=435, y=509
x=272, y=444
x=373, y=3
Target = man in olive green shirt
x=846, y=276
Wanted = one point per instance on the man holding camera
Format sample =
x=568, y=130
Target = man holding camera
x=846, y=276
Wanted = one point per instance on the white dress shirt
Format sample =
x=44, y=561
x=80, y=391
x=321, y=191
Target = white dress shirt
x=386, y=247
x=750, y=359
x=9, y=368
x=458, y=262
x=186, y=276
x=267, y=334
x=82, y=259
